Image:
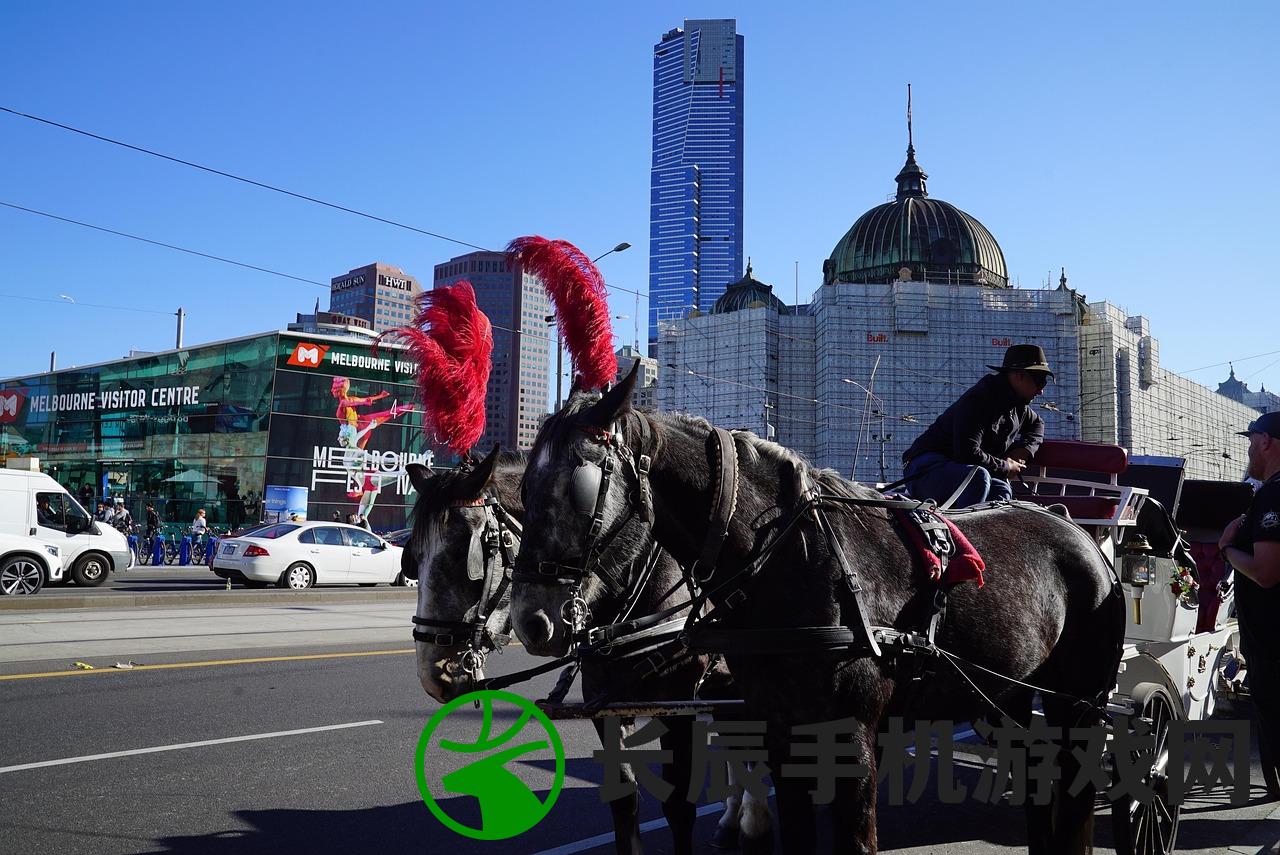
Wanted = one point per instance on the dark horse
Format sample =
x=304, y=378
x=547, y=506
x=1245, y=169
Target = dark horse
x=456, y=553
x=1051, y=613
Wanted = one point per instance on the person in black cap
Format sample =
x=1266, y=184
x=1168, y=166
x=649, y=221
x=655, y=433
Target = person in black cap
x=991, y=432
x=1251, y=545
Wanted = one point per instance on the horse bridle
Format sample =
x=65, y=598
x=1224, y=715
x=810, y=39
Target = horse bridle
x=498, y=540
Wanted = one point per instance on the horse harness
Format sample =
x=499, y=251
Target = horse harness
x=498, y=541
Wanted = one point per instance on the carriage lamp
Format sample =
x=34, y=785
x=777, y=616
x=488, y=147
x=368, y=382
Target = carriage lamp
x=1136, y=570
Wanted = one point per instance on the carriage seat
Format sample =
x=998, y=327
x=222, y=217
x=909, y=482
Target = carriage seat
x=1087, y=501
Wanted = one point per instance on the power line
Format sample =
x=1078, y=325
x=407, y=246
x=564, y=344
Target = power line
x=240, y=178
x=165, y=245
x=86, y=305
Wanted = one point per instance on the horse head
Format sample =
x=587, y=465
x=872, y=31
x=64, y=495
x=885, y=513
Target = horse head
x=592, y=516
x=465, y=536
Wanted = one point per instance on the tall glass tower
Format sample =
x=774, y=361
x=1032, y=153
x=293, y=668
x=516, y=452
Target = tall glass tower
x=695, y=198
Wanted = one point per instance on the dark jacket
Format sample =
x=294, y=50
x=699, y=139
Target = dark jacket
x=982, y=427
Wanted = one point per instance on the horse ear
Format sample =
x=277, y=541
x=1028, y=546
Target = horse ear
x=478, y=479
x=614, y=402
x=420, y=475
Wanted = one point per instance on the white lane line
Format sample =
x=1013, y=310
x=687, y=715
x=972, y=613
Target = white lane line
x=602, y=839
x=178, y=747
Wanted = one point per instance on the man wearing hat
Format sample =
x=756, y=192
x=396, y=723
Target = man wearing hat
x=986, y=437
x=1251, y=545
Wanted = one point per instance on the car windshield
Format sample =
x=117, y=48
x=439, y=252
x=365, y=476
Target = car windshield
x=272, y=532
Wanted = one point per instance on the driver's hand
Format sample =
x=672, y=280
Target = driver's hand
x=1015, y=466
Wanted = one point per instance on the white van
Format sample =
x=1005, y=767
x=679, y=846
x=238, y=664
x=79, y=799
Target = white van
x=33, y=504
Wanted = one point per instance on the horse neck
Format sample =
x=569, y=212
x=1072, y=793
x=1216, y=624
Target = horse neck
x=682, y=483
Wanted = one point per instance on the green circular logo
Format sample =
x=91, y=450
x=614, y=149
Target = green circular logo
x=507, y=805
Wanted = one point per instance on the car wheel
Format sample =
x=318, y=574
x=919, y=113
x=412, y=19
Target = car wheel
x=91, y=570
x=21, y=575
x=402, y=582
x=298, y=577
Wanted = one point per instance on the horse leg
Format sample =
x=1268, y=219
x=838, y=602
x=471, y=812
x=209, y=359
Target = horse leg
x=679, y=810
x=726, y=833
x=625, y=811
x=853, y=812
x=794, y=799
x=756, y=824
x=1072, y=815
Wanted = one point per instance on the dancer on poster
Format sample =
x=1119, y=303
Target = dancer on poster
x=354, y=430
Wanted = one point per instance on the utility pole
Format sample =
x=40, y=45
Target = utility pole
x=182, y=319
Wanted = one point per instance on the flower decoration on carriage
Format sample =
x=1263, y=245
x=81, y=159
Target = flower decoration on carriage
x=577, y=291
x=452, y=342
x=1184, y=585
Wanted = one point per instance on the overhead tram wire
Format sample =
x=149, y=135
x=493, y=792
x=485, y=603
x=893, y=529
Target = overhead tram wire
x=334, y=206
x=86, y=305
x=223, y=173
x=165, y=245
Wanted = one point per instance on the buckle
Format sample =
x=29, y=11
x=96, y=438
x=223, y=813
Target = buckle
x=643, y=463
x=737, y=598
x=444, y=639
x=548, y=568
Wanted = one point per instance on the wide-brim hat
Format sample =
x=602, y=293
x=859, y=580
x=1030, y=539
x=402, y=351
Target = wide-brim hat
x=1024, y=357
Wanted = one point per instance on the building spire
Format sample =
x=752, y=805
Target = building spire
x=911, y=180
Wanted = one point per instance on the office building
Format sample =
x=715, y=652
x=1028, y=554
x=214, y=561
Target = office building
x=523, y=344
x=379, y=293
x=695, y=222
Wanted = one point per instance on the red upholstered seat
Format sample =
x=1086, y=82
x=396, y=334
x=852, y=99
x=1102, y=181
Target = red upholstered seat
x=1081, y=507
x=1082, y=456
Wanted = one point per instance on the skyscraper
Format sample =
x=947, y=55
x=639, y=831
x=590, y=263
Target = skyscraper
x=520, y=382
x=695, y=199
x=381, y=294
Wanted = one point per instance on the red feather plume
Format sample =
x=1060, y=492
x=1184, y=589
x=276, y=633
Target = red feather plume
x=582, y=308
x=452, y=342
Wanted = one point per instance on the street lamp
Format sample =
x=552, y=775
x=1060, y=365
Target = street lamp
x=619, y=248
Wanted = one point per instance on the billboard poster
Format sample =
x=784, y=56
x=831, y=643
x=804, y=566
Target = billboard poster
x=345, y=425
x=284, y=503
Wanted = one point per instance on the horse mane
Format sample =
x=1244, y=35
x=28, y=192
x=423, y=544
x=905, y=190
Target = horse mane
x=831, y=481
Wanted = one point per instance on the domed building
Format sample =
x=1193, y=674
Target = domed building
x=917, y=238
x=915, y=301
x=749, y=293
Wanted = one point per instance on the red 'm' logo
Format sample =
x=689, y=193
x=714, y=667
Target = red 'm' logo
x=11, y=405
x=307, y=355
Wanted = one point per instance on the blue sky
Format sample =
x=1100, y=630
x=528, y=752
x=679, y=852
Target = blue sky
x=1132, y=143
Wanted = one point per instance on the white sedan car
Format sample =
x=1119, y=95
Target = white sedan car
x=300, y=555
x=25, y=564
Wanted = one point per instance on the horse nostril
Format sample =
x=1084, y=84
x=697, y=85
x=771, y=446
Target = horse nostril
x=537, y=628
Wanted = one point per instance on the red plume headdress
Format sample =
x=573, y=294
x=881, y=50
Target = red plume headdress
x=582, y=308
x=452, y=342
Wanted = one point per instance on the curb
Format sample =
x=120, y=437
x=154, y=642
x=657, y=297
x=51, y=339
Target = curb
x=208, y=598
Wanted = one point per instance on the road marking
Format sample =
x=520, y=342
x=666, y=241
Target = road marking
x=204, y=664
x=110, y=755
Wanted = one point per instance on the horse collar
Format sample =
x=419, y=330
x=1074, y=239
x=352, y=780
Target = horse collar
x=723, y=454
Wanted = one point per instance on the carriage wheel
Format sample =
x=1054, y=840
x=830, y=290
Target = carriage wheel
x=1152, y=828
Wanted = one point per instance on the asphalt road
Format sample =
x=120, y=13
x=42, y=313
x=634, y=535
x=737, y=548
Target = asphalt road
x=335, y=714
x=164, y=579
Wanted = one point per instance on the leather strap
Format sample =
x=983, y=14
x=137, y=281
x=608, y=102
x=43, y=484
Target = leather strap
x=723, y=455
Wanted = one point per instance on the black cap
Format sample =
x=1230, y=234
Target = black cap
x=1268, y=423
x=1024, y=357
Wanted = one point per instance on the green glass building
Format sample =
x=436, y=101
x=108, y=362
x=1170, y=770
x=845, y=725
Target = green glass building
x=217, y=426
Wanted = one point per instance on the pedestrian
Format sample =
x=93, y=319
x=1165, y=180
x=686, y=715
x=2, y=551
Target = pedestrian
x=337, y=516
x=199, y=525
x=153, y=521
x=985, y=438
x=119, y=517
x=1251, y=545
x=101, y=513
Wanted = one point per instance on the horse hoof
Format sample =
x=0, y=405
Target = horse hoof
x=725, y=837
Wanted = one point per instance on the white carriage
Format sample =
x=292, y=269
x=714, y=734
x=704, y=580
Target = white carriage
x=1180, y=653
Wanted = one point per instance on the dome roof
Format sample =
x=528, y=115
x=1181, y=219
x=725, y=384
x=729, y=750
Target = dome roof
x=933, y=239
x=749, y=293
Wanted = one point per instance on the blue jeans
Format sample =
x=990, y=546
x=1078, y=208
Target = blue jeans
x=941, y=476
